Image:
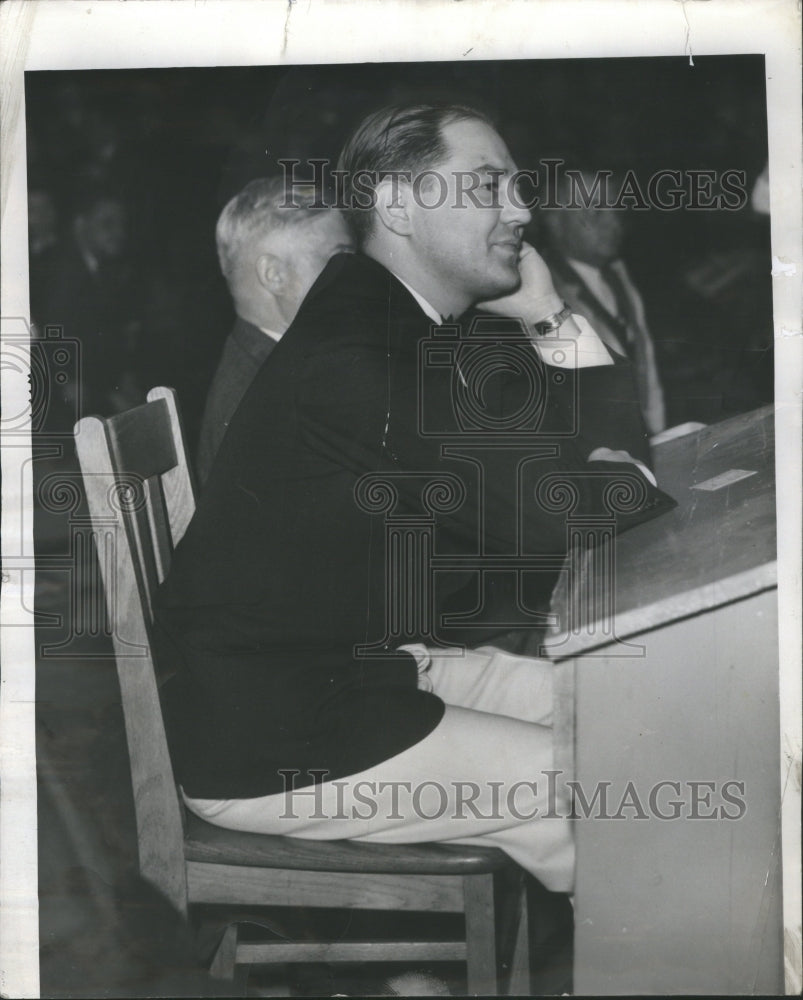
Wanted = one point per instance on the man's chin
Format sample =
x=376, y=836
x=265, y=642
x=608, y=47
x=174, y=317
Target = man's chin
x=506, y=284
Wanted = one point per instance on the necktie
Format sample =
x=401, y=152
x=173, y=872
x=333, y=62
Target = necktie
x=632, y=334
x=624, y=308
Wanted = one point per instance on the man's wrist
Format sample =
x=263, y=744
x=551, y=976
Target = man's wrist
x=550, y=324
x=538, y=309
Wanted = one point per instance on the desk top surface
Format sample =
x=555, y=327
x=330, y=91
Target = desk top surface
x=717, y=546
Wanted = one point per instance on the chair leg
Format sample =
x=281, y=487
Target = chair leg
x=519, y=979
x=478, y=895
x=224, y=962
x=513, y=933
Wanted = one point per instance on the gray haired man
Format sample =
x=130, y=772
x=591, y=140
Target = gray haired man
x=271, y=249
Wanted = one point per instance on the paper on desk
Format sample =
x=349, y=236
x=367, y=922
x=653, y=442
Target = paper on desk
x=723, y=479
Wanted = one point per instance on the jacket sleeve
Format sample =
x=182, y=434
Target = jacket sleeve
x=370, y=412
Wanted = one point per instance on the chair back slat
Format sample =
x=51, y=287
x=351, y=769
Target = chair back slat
x=177, y=484
x=158, y=527
x=139, y=442
x=134, y=468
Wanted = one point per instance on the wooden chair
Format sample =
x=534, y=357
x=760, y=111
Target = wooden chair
x=140, y=494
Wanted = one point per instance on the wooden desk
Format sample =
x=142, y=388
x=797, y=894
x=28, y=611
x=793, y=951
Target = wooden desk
x=692, y=904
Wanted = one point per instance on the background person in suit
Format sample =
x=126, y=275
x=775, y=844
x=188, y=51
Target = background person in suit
x=584, y=252
x=278, y=721
x=271, y=249
x=91, y=292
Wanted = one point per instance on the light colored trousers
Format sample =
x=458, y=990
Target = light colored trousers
x=483, y=776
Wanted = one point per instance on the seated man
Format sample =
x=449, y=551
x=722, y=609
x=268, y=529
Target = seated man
x=584, y=253
x=288, y=714
x=270, y=255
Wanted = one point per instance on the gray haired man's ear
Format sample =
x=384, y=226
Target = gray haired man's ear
x=272, y=273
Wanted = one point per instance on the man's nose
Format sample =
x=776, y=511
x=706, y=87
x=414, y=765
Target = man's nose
x=514, y=211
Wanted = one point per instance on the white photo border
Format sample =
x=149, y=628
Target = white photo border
x=51, y=34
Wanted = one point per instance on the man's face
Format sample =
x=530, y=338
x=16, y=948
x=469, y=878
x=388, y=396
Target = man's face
x=592, y=235
x=307, y=248
x=470, y=248
x=104, y=229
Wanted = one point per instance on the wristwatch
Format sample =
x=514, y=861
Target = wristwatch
x=553, y=322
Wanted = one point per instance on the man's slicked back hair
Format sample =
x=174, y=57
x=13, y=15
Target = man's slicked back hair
x=405, y=137
x=264, y=205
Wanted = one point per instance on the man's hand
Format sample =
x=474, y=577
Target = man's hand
x=536, y=298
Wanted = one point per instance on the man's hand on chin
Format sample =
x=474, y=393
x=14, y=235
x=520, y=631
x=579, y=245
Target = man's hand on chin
x=536, y=297
x=536, y=300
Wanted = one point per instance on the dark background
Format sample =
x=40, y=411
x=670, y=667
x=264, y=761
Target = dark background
x=177, y=143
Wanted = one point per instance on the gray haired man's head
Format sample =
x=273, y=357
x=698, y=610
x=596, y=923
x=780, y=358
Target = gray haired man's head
x=272, y=247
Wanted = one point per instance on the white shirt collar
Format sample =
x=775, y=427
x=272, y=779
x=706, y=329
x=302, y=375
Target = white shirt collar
x=271, y=334
x=428, y=308
x=583, y=268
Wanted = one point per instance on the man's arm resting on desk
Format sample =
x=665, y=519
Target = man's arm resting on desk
x=349, y=414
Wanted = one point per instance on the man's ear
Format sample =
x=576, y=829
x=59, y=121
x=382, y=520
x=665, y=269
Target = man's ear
x=393, y=204
x=271, y=273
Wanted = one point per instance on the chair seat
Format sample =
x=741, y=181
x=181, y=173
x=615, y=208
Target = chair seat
x=213, y=845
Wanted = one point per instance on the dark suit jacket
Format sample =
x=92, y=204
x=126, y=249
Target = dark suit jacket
x=281, y=572
x=244, y=353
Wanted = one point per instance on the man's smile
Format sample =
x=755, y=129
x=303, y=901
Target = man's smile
x=511, y=248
